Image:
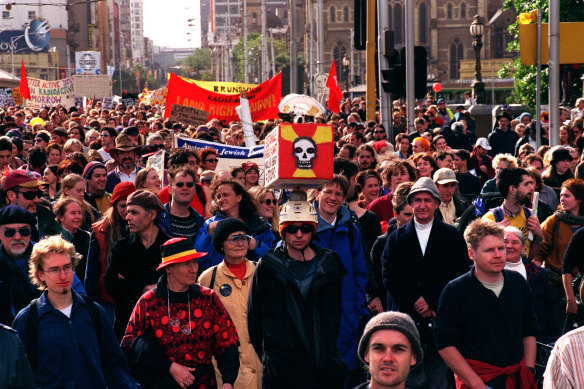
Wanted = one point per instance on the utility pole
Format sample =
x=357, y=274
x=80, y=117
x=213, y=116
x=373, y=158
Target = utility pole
x=272, y=50
x=310, y=4
x=265, y=65
x=384, y=98
x=554, y=71
x=410, y=95
x=245, y=59
x=370, y=76
x=293, y=54
x=320, y=36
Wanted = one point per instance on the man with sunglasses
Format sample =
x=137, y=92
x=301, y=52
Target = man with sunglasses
x=294, y=306
x=180, y=219
x=21, y=188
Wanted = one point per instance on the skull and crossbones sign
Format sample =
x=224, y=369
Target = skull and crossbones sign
x=304, y=151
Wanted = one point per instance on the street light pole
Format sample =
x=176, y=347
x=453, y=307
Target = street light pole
x=478, y=86
x=346, y=65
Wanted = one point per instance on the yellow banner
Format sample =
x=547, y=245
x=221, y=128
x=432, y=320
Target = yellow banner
x=228, y=88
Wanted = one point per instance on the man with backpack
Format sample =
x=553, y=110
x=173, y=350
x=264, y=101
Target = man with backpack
x=67, y=337
x=517, y=187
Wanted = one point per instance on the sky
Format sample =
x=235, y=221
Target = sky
x=165, y=22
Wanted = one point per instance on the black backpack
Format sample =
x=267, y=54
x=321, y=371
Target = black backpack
x=32, y=327
x=481, y=205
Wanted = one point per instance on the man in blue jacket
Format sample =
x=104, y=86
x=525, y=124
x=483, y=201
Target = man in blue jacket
x=68, y=339
x=337, y=232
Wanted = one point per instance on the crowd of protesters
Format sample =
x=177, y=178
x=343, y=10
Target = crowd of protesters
x=428, y=261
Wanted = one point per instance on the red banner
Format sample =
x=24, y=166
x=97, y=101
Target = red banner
x=263, y=100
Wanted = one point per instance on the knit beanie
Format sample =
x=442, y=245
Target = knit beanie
x=225, y=228
x=392, y=321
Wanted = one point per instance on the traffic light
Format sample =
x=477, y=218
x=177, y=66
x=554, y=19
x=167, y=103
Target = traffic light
x=391, y=79
x=360, y=28
x=420, y=70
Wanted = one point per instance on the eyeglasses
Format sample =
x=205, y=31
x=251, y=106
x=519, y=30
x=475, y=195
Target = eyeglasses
x=304, y=228
x=212, y=160
x=32, y=194
x=331, y=193
x=269, y=202
x=104, y=135
x=181, y=184
x=55, y=271
x=23, y=231
x=239, y=238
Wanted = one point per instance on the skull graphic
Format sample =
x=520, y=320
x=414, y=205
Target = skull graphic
x=304, y=150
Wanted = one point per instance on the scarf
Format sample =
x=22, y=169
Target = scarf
x=569, y=219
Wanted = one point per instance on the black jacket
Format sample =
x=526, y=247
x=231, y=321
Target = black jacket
x=131, y=267
x=15, y=371
x=296, y=339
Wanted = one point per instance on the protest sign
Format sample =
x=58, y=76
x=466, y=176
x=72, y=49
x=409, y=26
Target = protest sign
x=263, y=100
x=299, y=155
x=50, y=92
x=130, y=99
x=156, y=161
x=107, y=103
x=6, y=97
x=227, y=88
x=18, y=100
x=188, y=115
x=229, y=156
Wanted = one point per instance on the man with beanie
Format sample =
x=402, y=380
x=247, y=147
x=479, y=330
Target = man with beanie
x=294, y=306
x=419, y=259
x=95, y=173
x=390, y=346
x=133, y=260
x=485, y=326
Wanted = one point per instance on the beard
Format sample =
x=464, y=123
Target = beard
x=127, y=163
x=20, y=250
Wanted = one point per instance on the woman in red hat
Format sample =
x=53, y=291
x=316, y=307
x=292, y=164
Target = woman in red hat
x=178, y=327
x=252, y=174
x=105, y=232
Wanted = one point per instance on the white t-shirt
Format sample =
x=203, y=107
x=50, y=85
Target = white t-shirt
x=67, y=311
x=104, y=155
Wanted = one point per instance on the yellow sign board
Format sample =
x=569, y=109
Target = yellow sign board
x=570, y=41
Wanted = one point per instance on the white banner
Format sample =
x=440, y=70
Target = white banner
x=50, y=92
x=87, y=62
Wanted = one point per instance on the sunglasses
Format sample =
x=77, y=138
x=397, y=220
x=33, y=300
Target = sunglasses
x=181, y=184
x=304, y=228
x=31, y=195
x=38, y=140
x=212, y=160
x=379, y=132
x=269, y=202
x=239, y=238
x=23, y=231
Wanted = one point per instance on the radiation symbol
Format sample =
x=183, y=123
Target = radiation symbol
x=304, y=149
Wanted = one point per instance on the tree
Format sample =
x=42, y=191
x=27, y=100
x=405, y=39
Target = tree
x=254, y=47
x=525, y=87
x=198, y=65
x=129, y=80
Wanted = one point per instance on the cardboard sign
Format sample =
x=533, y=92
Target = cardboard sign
x=299, y=155
x=107, y=103
x=49, y=93
x=156, y=161
x=18, y=100
x=188, y=115
x=130, y=99
x=6, y=97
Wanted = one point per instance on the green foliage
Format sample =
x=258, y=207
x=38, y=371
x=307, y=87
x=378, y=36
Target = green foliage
x=197, y=66
x=254, y=48
x=129, y=80
x=525, y=86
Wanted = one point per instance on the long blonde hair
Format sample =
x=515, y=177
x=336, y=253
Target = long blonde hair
x=258, y=194
x=67, y=183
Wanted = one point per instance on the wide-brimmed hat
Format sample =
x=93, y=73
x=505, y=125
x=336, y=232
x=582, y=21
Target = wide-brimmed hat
x=123, y=143
x=178, y=250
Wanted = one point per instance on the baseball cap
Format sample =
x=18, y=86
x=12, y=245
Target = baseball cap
x=484, y=143
x=21, y=178
x=444, y=176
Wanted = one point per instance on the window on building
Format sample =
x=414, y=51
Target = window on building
x=463, y=11
x=397, y=22
x=449, y=11
x=5, y=14
x=254, y=18
x=456, y=55
x=422, y=24
x=346, y=14
x=332, y=15
x=31, y=15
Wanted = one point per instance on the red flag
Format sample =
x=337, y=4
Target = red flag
x=23, y=87
x=335, y=94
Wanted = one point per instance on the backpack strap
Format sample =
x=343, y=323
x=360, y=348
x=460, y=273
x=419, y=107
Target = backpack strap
x=527, y=212
x=498, y=213
x=32, y=330
x=212, y=283
x=94, y=314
